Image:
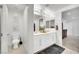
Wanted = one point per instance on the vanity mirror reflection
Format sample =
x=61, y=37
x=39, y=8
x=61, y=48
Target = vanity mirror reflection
x=50, y=24
x=41, y=26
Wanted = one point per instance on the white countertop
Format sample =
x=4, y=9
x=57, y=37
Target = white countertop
x=47, y=31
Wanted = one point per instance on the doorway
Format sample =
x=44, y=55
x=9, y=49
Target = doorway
x=70, y=19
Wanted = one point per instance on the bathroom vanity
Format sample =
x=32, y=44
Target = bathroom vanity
x=44, y=34
x=44, y=40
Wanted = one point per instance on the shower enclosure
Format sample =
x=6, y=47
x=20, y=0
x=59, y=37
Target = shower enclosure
x=16, y=18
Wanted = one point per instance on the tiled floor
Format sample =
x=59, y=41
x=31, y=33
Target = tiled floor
x=69, y=51
x=72, y=44
x=19, y=50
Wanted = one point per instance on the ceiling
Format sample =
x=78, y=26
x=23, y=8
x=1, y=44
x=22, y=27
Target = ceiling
x=56, y=7
x=72, y=14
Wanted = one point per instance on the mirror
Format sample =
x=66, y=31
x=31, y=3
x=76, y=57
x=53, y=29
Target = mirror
x=41, y=25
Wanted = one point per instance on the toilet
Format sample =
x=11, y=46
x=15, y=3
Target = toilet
x=15, y=40
x=15, y=43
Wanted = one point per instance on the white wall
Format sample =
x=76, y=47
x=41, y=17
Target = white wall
x=72, y=27
x=29, y=29
x=70, y=20
x=4, y=42
x=58, y=22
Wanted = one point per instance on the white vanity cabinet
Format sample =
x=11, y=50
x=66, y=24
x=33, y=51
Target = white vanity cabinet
x=43, y=40
x=36, y=43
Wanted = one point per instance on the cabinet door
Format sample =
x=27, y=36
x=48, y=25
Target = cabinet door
x=47, y=40
x=36, y=44
x=44, y=41
x=53, y=37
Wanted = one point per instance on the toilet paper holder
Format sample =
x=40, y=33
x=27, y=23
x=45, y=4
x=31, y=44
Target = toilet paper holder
x=20, y=43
